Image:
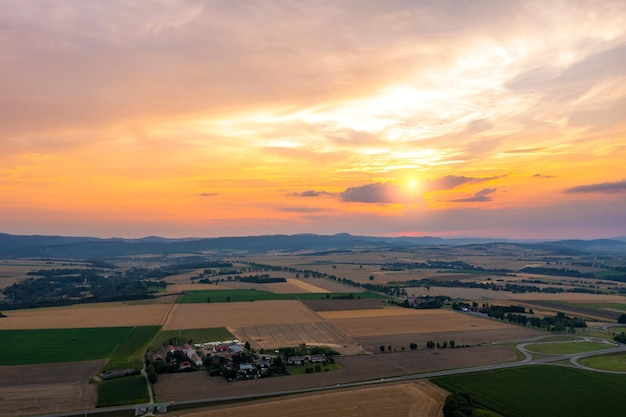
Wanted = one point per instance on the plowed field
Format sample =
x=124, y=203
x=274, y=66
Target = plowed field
x=39, y=389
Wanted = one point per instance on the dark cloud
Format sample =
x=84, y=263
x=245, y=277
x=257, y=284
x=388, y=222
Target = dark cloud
x=300, y=209
x=479, y=197
x=208, y=194
x=382, y=193
x=604, y=188
x=311, y=193
x=543, y=176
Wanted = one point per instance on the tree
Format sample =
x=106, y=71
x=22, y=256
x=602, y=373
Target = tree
x=452, y=344
x=622, y=319
x=247, y=345
x=151, y=373
x=228, y=299
x=458, y=405
x=208, y=299
x=413, y=346
x=382, y=348
x=372, y=277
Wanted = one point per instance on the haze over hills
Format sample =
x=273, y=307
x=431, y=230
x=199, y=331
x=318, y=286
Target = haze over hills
x=92, y=247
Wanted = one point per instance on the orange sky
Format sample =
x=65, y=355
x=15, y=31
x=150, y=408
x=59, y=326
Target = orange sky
x=216, y=118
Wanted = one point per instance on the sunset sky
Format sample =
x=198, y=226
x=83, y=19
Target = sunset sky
x=228, y=118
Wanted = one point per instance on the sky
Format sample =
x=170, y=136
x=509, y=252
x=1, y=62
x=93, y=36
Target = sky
x=398, y=118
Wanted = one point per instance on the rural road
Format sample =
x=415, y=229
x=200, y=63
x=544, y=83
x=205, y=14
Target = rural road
x=527, y=361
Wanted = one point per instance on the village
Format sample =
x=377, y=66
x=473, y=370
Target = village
x=236, y=360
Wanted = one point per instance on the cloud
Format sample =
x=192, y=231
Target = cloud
x=382, y=193
x=311, y=193
x=452, y=181
x=392, y=193
x=479, y=197
x=208, y=194
x=300, y=209
x=543, y=176
x=603, y=188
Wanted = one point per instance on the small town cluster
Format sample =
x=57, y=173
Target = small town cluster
x=235, y=360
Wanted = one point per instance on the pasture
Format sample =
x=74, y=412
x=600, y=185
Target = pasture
x=70, y=345
x=127, y=390
x=555, y=391
x=616, y=362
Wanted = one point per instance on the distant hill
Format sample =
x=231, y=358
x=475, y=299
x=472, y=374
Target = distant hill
x=14, y=246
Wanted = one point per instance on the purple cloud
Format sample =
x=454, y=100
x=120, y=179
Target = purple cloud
x=604, y=188
x=382, y=193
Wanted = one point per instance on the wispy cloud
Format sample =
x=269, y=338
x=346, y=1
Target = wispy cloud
x=603, y=188
x=301, y=209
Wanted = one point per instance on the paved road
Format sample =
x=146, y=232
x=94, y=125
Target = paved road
x=527, y=361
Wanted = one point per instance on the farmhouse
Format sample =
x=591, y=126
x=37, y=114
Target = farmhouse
x=191, y=354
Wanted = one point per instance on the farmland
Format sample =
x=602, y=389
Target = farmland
x=123, y=344
x=343, y=300
x=115, y=314
x=45, y=388
x=129, y=390
x=226, y=296
x=196, y=335
x=579, y=393
x=417, y=399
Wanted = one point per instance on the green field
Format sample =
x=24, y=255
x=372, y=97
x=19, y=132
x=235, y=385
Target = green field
x=542, y=391
x=195, y=335
x=129, y=353
x=608, y=362
x=602, y=306
x=565, y=348
x=21, y=347
x=224, y=296
x=127, y=390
